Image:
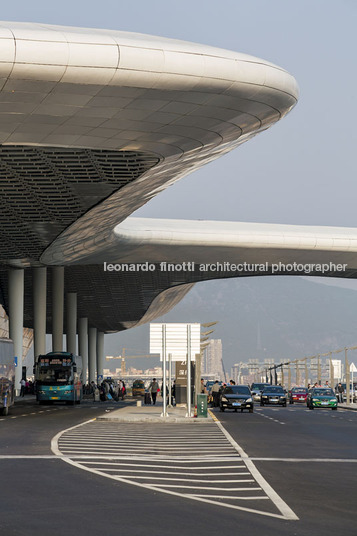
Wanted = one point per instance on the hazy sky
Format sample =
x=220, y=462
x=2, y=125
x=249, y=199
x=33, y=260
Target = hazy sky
x=303, y=170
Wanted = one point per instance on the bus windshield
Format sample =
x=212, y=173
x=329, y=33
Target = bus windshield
x=54, y=375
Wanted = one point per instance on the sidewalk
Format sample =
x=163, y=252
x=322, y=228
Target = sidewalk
x=350, y=406
x=143, y=413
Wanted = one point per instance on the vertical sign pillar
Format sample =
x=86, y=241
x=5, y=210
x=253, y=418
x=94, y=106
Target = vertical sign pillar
x=188, y=414
x=347, y=374
x=170, y=380
x=197, y=376
x=164, y=410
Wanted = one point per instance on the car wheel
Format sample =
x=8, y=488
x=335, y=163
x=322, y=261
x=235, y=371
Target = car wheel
x=335, y=408
x=235, y=410
x=262, y=403
x=284, y=405
x=251, y=410
x=311, y=407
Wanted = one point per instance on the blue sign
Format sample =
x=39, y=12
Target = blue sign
x=100, y=377
x=15, y=360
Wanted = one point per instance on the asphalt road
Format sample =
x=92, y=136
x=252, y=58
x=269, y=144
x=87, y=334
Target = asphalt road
x=308, y=457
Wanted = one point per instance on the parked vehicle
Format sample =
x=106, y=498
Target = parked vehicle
x=138, y=388
x=236, y=397
x=257, y=389
x=321, y=397
x=298, y=394
x=273, y=394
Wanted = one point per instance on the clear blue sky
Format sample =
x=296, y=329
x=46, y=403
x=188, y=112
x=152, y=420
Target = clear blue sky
x=303, y=170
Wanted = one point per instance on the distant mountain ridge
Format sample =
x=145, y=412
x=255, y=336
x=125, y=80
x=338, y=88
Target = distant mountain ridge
x=263, y=317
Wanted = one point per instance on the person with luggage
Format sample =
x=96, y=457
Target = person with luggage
x=153, y=389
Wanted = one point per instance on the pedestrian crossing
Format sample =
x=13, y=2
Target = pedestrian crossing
x=195, y=462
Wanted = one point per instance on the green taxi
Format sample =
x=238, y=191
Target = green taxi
x=321, y=397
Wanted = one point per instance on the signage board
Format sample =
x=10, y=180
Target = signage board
x=177, y=339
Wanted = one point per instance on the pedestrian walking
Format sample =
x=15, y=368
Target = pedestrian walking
x=215, y=393
x=340, y=391
x=154, y=388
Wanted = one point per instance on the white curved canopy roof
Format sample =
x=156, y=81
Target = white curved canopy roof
x=94, y=123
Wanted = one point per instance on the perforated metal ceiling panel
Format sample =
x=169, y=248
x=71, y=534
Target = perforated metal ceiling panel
x=45, y=189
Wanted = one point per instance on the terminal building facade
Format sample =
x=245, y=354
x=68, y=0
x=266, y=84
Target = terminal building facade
x=94, y=124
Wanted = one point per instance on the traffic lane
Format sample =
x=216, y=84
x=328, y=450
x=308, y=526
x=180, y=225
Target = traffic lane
x=298, y=432
x=52, y=497
x=29, y=429
x=323, y=495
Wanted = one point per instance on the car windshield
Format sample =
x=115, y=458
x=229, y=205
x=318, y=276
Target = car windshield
x=274, y=389
x=236, y=390
x=299, y=390
x=323, y=392
x=258, y=386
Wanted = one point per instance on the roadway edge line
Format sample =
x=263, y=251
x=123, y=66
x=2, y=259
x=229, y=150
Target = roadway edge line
x=272, y=494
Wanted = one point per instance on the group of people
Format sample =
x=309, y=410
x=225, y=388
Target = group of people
x=106, y=390
x=27, y=387
x=215, y=391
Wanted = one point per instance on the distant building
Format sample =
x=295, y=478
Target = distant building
x=212, y=359
x=337, y=369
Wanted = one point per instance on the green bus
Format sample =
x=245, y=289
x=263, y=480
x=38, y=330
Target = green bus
x=59, y=378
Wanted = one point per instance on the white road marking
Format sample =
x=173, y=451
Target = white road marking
x=277, y=500
x=88, y=460
x=325, y=460
x=87, y=447
x=257, y=498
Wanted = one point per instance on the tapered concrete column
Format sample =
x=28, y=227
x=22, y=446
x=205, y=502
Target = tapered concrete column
x=16, y=319
x=39, y=286
x=100, y=353
x=92, y=354
x=71, y=322
x=83, y=344
x=57, y=308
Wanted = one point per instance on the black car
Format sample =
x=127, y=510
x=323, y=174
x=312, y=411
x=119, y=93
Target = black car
x=236, y=397
x=273, y=394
